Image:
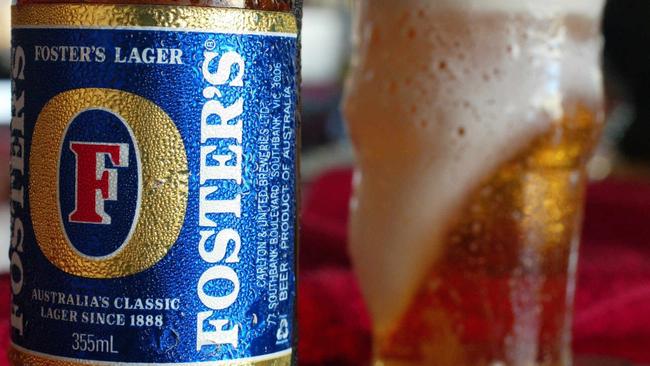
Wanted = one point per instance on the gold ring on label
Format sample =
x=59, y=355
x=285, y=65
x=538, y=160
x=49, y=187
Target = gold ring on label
x=164, y=183
x=214, y=20
x=22, y=357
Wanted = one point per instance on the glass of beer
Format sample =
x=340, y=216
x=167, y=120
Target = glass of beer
x=472, y=123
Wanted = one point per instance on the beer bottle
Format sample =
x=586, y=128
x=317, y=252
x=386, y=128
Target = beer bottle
x=153, y=182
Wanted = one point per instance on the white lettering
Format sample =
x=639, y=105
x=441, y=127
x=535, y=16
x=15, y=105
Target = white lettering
x=210, y=206
x=149, y=55
x=222, y=75
x=219, y=336
x=218, y=252
x=118, y=56
x=18, y=64
x=220, y=127
x=218, y=273
x=221, y=171
x=223, y=130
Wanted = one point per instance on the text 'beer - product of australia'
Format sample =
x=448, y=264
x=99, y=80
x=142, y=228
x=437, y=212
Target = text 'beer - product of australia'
x=153, y=183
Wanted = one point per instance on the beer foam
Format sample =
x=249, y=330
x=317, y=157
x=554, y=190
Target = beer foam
x=587, y=8
x=439, y=102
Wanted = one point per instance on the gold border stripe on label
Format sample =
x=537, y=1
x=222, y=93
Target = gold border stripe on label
x=23, y=357
x=196, y=18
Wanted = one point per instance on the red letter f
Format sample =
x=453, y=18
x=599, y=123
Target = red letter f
x=95, y=183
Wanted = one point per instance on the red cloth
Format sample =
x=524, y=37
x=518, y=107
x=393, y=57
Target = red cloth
x=612, y=315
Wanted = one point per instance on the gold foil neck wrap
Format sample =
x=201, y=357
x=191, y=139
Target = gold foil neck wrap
x=21, y=357
x=190, y=18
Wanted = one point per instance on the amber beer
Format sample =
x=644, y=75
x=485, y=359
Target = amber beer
x=472, y=123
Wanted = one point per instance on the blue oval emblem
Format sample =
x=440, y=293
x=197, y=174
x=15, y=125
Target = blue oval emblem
x=99, y=183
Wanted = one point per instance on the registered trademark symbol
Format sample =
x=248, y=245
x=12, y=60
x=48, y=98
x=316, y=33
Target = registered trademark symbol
x=210, y=44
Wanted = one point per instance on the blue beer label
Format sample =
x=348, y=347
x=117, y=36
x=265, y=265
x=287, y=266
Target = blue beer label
x=153, y=185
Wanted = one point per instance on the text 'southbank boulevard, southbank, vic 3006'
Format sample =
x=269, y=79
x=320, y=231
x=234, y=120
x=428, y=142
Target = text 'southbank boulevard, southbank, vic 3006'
x=153, y=184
